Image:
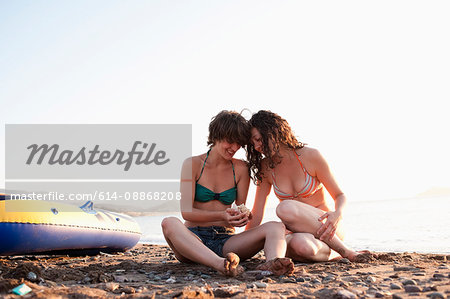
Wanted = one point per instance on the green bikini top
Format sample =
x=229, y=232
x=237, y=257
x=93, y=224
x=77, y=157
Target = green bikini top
x=203, y=194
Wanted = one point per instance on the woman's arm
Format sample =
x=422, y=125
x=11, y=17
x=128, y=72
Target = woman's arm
x=262, y=192
x=242, y=180
x=323, y=173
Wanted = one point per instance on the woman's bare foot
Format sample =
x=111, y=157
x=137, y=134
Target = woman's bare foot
x=360, y=256
x=231, y=265
x=278, y=266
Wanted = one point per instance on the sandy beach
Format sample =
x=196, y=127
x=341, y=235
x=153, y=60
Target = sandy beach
x=151, y=271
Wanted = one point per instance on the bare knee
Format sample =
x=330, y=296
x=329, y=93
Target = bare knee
x=308, y=247
x=303, y=249
x=286, y=211
x=168, y=225
x=291, y=211
x=274, y=227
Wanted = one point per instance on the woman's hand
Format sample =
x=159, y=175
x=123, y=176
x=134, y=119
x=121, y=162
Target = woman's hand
x=235, y=218
x=328, y=229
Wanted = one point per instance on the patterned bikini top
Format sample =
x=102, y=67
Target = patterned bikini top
x=312, y=185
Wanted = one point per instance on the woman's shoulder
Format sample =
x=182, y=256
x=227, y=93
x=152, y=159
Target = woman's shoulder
x=308, y=152
x=311, y=158
x=195, y=161
x=240, y=164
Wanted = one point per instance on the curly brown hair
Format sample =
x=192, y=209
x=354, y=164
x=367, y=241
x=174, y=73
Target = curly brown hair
x=230, y=126
x=276, y=129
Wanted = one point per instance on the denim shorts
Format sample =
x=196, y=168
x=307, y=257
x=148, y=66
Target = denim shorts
x=214, y=237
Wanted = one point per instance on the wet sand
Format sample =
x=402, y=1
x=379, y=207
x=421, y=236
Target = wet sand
x=151, y=271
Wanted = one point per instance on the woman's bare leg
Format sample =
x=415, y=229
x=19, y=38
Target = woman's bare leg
x=304, y=247
x=303, y=218
x=188, y=247
x=271, y=237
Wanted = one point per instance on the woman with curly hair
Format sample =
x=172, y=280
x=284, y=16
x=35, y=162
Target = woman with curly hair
x=299, y=176
x=210, y=183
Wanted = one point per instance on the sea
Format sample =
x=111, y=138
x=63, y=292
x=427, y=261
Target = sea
x=394, y=225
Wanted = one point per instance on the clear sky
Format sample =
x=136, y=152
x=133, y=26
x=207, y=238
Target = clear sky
x=365, y=82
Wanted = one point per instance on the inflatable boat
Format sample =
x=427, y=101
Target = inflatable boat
x=32, y=227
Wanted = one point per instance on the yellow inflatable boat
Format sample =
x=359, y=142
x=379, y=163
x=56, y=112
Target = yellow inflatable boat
x=54, y=227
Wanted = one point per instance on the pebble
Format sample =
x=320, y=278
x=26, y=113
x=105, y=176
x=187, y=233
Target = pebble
x=412, y=289
x=225, y=292
x=289, y=280
x=31, y=276
x=171, y=280
x=438, y=275
x=395, y=296
x=371, y=279
x=251, y=286
x=268, y=280
x=409, y=282
x=315, y=281
x=300, y=279
x=436, y=295
x=205, y=276
x=111, y=286
x=128, y=290
x=350, y=278
x=344, y=294
x=259, y=276
x=260, y=285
